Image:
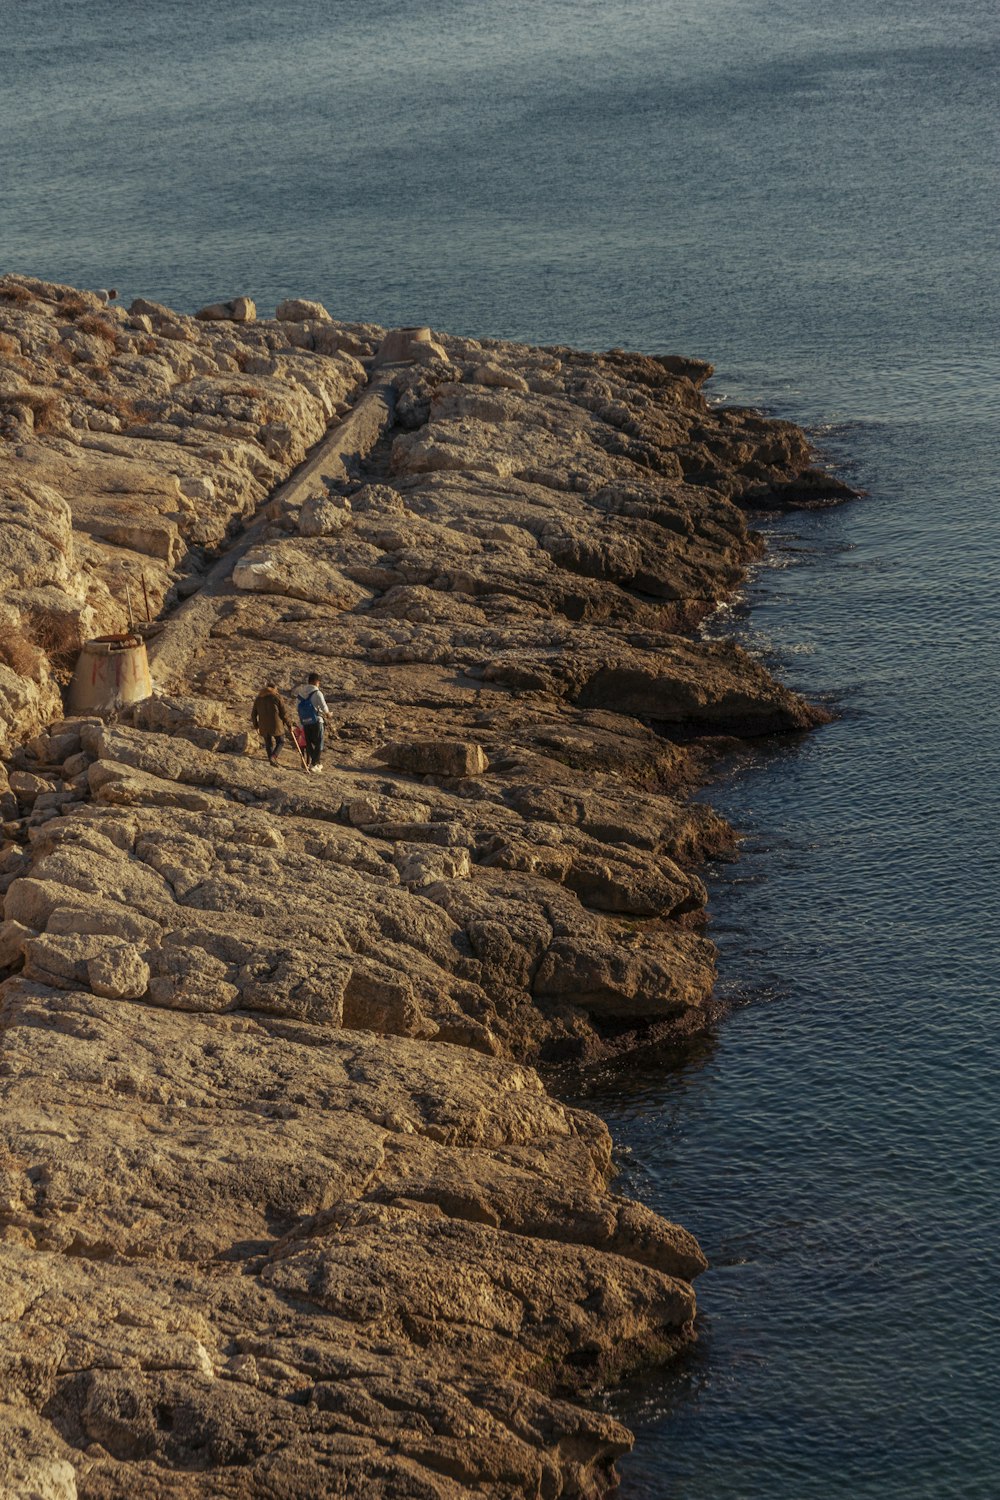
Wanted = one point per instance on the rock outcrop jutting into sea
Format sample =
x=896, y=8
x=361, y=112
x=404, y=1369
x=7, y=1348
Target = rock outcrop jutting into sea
x=285, y=1209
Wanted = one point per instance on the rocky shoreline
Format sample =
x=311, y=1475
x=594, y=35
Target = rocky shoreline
x=285, y=1208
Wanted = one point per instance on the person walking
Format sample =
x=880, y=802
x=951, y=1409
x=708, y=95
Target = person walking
x=269, y=719
x=312, y=714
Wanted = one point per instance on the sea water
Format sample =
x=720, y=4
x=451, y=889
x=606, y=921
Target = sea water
x=807, y=195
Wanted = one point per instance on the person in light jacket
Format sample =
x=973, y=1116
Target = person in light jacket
x=313, y=709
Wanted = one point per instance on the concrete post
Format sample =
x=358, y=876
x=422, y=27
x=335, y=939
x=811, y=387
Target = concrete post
x=111, y=671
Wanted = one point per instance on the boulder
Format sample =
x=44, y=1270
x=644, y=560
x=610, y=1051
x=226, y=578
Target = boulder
x=197, y=487
x=26, y=786
x=167, y=713
x=497, y=377
x=143, y=307
x=324, y=515
x=119, y=971
x=297, y=572
x=444, y=757
x=695, y=370
x=237, y=310
x=34, y=1461
x=660, y=977
x=423, y=866
x=13, y=937
x=300, y=310
x=409, y=345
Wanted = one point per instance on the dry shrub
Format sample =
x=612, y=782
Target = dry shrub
x=13, y=291
x=72, y=305
x=122, y=407
x=43, y=409
x=58, y=635
x=100, y=327
x=20, y=654
x=11, y=356
x=45, y=406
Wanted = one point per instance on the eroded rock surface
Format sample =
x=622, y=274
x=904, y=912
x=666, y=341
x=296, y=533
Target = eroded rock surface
x=140, y=440
x=285, y=1208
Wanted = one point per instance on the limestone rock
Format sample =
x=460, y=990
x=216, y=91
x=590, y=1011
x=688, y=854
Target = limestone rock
x=496, y=376
x=119, y=972
x=422, y=866
x=236, y=310
x=34, y=1461
x=449, y=758
x=286, y=1209
x=56, y=745
x=13, y=936
x=196, y=487
x=656, y=978
x=296, y=574
x=324, y=515
x=299, y=310
x=178, y=714
x=27, y=787
x=405, y=345
x=119, y=483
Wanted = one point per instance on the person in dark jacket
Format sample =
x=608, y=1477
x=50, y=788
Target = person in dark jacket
x=269, y=719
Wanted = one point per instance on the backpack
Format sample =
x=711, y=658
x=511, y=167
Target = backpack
x=307, y=710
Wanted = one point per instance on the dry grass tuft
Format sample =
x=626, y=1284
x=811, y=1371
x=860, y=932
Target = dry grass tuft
x=58, y=635
x=102, y=328
x=13, y=291
x=12, y=358
x=45, y=407
x=61, y=354
x=20, y=654
x=122, y=407
x=72, y=305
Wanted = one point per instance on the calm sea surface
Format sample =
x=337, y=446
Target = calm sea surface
x=807, y=195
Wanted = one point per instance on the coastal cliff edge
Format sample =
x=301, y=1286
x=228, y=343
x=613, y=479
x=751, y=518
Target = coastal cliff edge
x=285, y=1207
